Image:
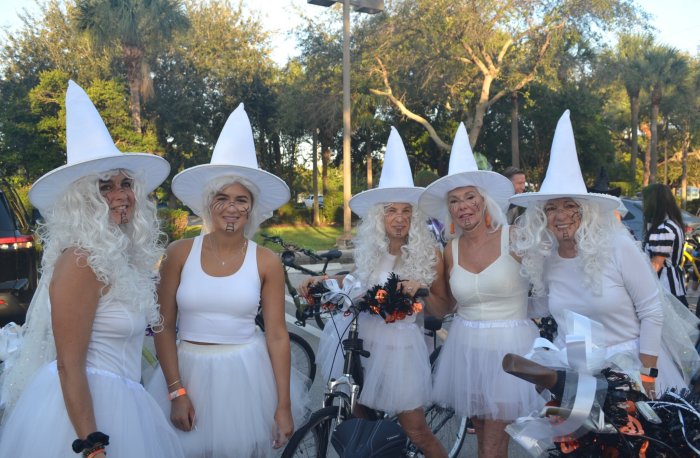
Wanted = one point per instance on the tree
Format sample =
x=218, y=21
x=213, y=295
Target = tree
x=439, y=58
x=667, y=67
x=629, y=65
x=137, y=26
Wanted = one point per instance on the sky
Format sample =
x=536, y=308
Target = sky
x=673, y=19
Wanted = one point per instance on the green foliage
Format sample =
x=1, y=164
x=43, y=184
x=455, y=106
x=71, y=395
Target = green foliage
x=174, y=222
x=424, y=177
x=314, y=238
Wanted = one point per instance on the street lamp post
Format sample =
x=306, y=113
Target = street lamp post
x=362, y=6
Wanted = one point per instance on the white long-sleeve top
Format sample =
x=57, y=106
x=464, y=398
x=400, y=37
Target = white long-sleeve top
x=629, y=307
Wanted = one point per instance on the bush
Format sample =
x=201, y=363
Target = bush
x=286, y=214
x=173, y=222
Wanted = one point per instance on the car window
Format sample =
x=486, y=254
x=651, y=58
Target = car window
x=7, y=217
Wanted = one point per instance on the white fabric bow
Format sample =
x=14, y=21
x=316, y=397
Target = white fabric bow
x=342, y=297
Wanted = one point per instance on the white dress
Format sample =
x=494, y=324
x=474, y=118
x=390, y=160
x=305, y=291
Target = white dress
x=397, y=372
x=629, y=307
x=491, y=321
x=39, y=424
x=231, y=385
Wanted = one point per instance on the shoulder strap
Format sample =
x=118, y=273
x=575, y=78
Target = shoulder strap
x=454, y=243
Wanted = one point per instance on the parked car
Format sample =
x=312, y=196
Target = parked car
x=634, y=219
x=309, y=201
x=18, y=257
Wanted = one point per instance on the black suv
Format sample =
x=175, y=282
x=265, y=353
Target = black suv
x=18, y=257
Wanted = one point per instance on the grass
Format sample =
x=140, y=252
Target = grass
x=303, y=235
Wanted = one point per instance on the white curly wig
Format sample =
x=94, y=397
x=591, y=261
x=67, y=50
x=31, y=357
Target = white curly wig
x=534, y=243
x=123, y=257
x=498, y=218
x=417, y=260
x=220, y=183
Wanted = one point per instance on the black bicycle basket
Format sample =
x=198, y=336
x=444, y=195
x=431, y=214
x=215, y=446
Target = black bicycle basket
x=360, y=438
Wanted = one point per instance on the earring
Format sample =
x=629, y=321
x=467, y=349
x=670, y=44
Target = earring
x=452, y=228
x=487, y=220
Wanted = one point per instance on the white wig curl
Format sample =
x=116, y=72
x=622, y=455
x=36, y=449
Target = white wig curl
x=123, y=257
x=498, y=218
x=220, y=183
x=418, y=259
x=534, y=243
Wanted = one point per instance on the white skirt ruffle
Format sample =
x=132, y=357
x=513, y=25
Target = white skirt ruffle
x=469, y=376
x=232, y=388
x=39, y=424
x=397, y=372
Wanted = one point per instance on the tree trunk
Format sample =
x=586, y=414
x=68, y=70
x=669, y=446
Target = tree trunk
x=685, y=145
x=653, y=123
x=647, y=154
x=314, y=147
x=369, y=164
x=325, y=160
x=133, y=56
x=634, y=114
x=480, y=110
x=514, y=136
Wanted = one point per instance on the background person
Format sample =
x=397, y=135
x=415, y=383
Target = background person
x=490, y=298
x=664, y=237
x=518, y=178
x=101, y=246
x=226, y=385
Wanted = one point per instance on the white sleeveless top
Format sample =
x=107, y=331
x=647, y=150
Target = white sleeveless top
x=498, y=292
x=218, y=310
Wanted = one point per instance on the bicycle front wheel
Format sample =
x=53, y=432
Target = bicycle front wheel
x=303, y=357
x=449, y=428
x=313, y=439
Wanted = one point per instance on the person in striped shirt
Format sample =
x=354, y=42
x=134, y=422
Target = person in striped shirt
x=664, y=237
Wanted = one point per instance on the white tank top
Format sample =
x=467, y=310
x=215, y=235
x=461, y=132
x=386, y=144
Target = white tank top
x=498, y=292
x=218, y=309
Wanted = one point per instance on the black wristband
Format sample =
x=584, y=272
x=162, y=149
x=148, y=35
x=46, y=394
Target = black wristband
x=96, y=438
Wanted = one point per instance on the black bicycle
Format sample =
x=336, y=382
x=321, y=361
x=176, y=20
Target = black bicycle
x=304, y=310
x=340, y=399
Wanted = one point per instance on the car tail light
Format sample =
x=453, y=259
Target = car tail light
x=16, y=243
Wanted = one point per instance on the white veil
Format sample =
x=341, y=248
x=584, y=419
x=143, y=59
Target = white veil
x=36, y=349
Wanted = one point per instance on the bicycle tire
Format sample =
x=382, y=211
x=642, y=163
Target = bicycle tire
x=303, y=357
x=449, y=428
x=313, y=438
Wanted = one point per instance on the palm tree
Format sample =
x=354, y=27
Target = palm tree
x=137, y=27
x=667, y=68
x=632, y=69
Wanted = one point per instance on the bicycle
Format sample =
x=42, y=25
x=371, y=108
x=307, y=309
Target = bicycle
x=304, y=310
x=340, y=399
x=691, y=259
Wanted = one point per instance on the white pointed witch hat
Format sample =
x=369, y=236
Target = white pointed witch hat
x=563, y=177
x=395, y=183
x=234, y=155
x=91, y=150
x=463, y=171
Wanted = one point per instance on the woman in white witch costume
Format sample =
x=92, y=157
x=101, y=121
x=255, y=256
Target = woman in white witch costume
x=226, y=386
x=87, y=320
x=490, y=298
x=392, y=238
x=580, y=258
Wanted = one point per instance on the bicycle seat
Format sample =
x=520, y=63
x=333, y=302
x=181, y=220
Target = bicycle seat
x=360, y=438
x=331, y=254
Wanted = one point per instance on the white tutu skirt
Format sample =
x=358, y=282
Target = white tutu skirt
x=469, y=376
x=233, y=391
x=39, y=424
x=397, y=372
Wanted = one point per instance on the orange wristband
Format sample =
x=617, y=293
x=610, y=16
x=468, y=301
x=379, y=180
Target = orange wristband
x=94, y=453
x=647, y=379
x=177, y=393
